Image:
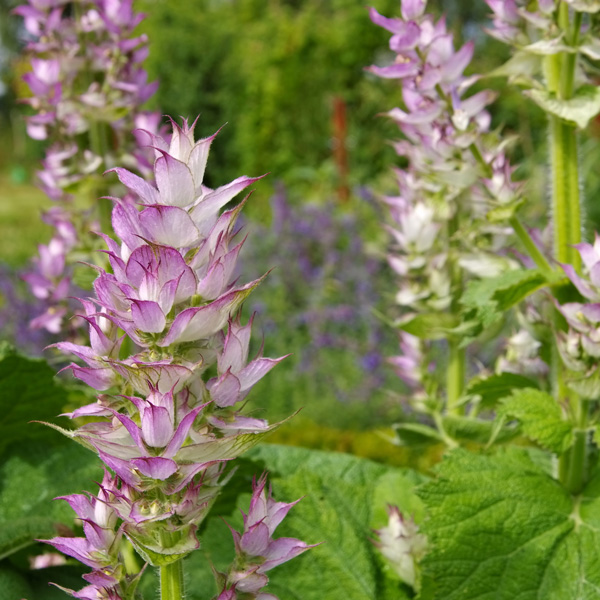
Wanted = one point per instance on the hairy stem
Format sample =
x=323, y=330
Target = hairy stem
x=566, y=205
x=456, y=369
x=171, y=581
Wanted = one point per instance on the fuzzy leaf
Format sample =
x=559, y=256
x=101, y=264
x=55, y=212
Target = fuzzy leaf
x=429, y=326
x=13, y=585
x=521, y=63
x=30, y=478
x=579, y=109
x=416, y=434
x=28, y=390
x=501, y=528
x=541, y=418
x=486, y=300
x=493, y=388
x=469, y=429
x=343, y=498
x=589, y=6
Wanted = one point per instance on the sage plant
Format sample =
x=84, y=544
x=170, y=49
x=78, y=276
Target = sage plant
x=503, y=521
x=170, y=416
x=88, y=85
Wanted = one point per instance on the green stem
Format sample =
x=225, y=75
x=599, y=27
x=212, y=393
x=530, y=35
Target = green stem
x=455, y=377
x=565, y=192
x=456, y=369
x=566, y=206
x=171, y=581
x=99, y=146
x=534, y=252
x=573, y=466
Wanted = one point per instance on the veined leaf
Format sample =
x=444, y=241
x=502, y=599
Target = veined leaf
x=486, y=300
x=541, y=418
x=343, y=498
x=28, y=391
x=429, y=326
x=589, y=6
x=494, y=387
x=501, y=528
x=580, y=109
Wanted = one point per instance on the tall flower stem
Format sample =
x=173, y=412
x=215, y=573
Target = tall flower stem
x=171, y=581
x=456, y=369
x=566, y=210
x=99, y=145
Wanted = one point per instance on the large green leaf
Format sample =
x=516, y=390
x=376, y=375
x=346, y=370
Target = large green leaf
x=30, y=478
x=28, y=391
x=343, y=498
x=501, y=528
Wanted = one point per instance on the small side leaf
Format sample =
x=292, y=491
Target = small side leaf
x=494, y=387
x=579, y=109
x=428, y=326
x=541, y=418
x=416, y=434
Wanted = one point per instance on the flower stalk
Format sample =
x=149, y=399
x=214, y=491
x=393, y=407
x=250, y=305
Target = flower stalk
x=171, y=581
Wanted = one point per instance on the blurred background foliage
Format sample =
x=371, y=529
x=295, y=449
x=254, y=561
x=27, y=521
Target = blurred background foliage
x=288, y=78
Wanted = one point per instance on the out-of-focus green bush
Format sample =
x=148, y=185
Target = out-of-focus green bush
x=272, y=68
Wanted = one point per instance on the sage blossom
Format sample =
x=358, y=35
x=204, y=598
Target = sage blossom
x=87, y=82
x=164, y=426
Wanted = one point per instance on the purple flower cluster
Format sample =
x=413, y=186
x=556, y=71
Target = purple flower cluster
x=579, y=347
x=456, y=194
x=256, y=550
x=87, y=85
x=441, y=126
x=171, y=418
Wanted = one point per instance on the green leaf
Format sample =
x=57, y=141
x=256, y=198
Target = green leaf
x=29, y=480
x=589, y=6
x=503, y=212
x=429, y=326
x=541, y=418
x=501, y=528
x=343, y=497
x=416, y=434
x=494, y=387
x=13, y=586
x=20, y=533
x=579, y=109
x=28, y=390
x=486, y=300
x=470, y=429
x=519, y=65
x=545, y=47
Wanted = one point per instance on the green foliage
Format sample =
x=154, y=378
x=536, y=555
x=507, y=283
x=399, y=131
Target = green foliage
x=485, y=301
x=429, y=326
x=541, y=418
x=13, y=586
x=501, y=527
x=492, y=388
x=271, y=69
x=28, y=390
x=343, y=498
x=580, y=109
